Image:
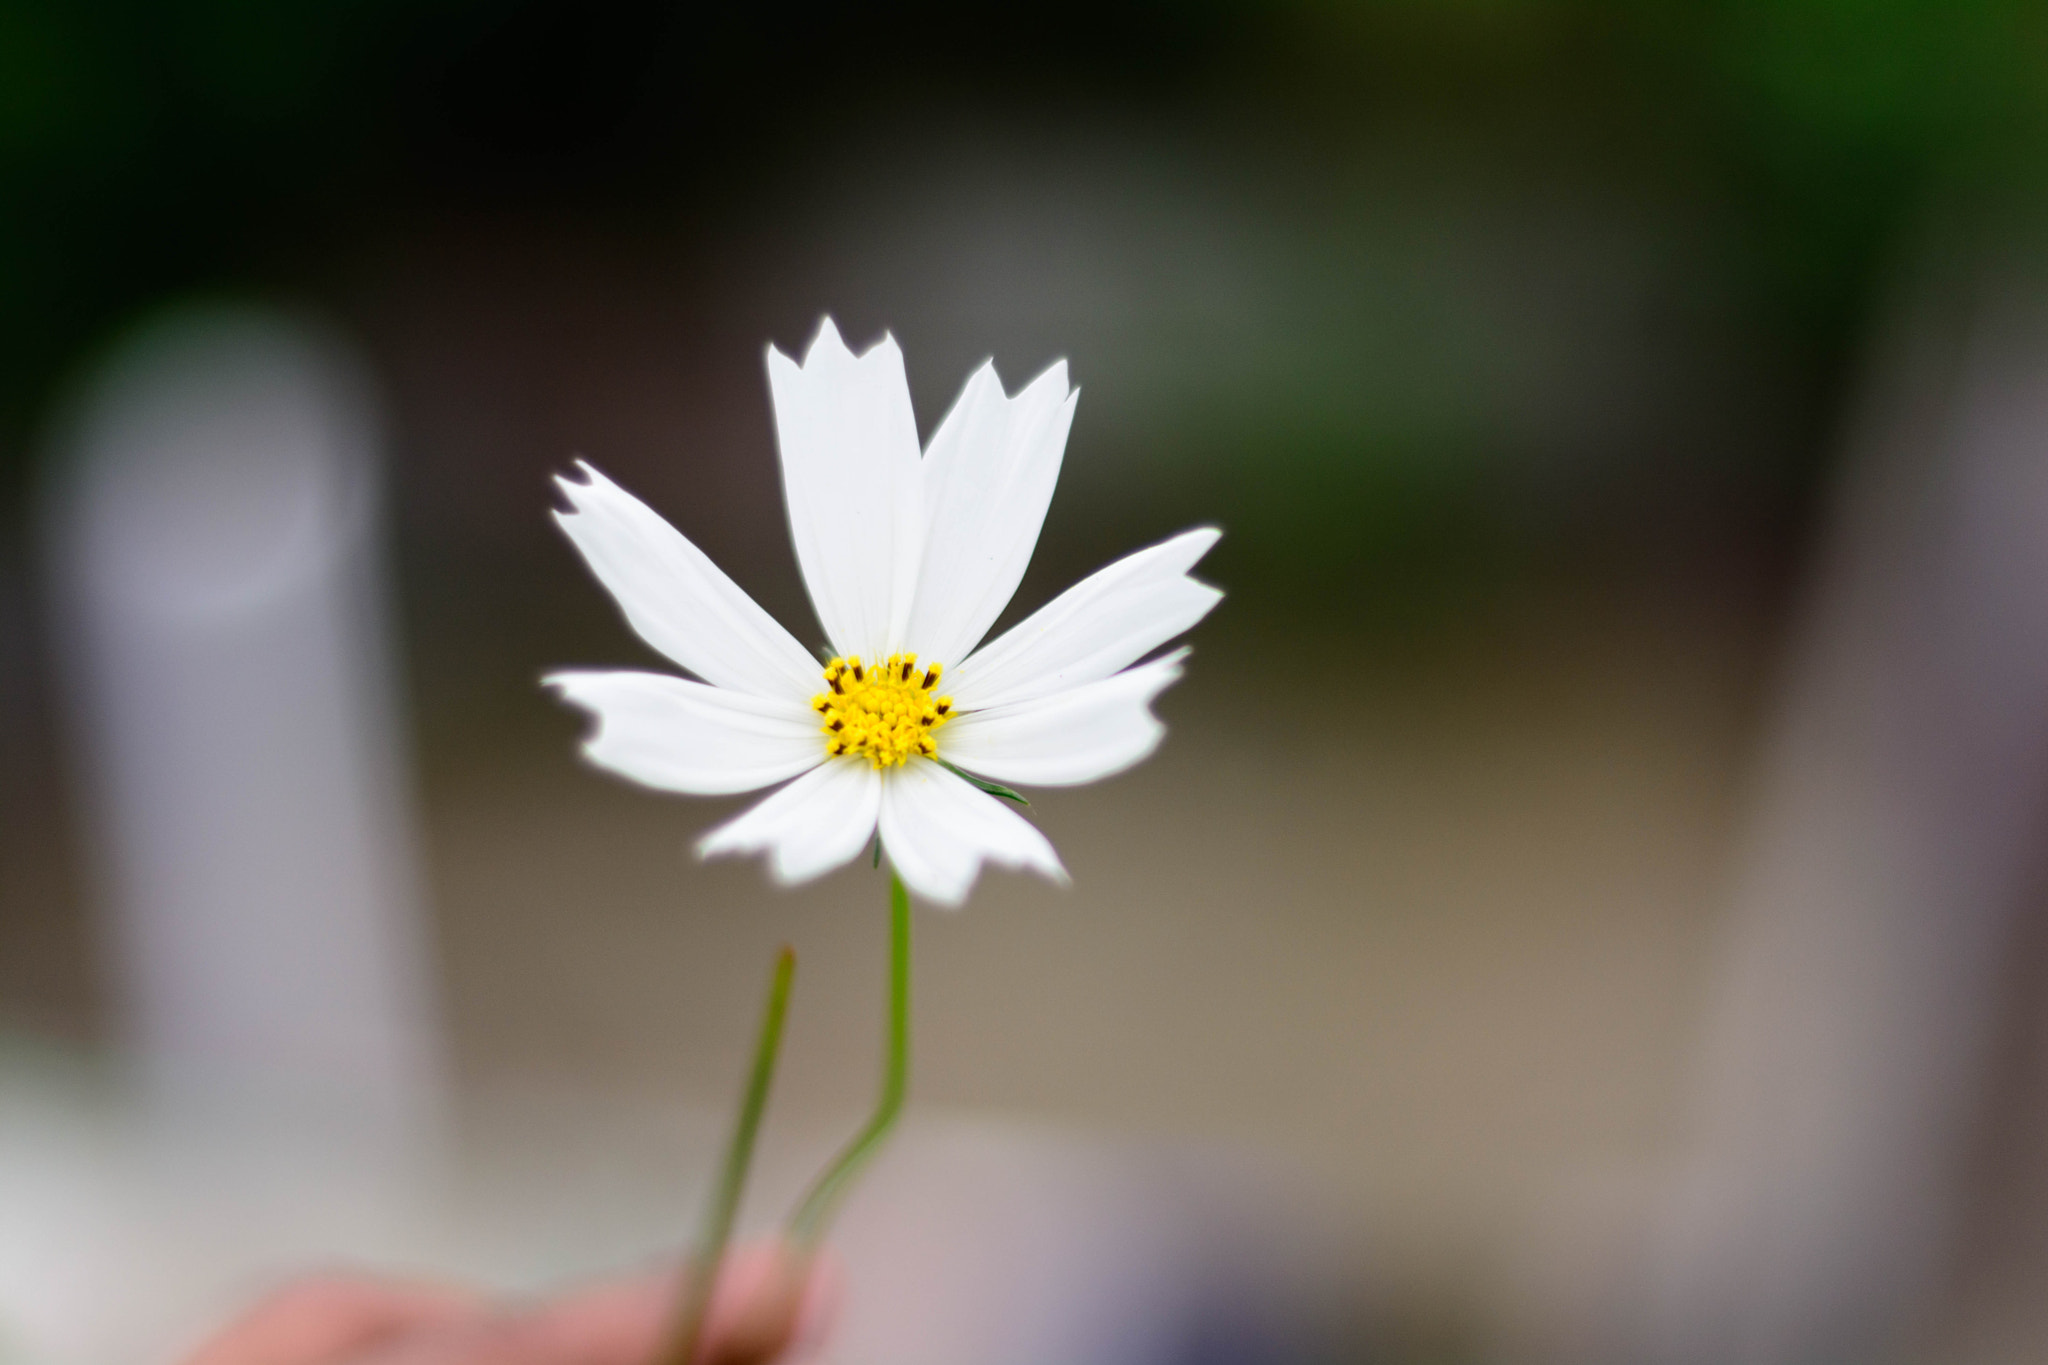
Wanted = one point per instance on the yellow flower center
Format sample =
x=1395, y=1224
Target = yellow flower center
x=887, y=713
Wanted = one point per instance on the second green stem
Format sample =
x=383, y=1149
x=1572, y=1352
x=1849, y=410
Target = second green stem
x=701, y=1278
x=814, y=1215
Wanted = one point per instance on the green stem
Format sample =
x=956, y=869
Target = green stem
x=702, y=1273
x=814, y=1215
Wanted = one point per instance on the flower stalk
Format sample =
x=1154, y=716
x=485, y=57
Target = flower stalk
x=808, y=1226
x=701, y=1276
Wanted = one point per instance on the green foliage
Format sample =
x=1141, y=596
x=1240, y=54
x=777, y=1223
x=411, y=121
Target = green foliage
x=992, y=788
x=149, y=146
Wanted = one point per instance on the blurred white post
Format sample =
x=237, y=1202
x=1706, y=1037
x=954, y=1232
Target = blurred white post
x=1896, y=834
x=215, y=552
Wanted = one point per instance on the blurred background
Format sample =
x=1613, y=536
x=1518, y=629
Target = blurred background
x=1590, y=903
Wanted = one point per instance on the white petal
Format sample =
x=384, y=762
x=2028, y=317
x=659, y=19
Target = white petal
x=988, y=476
x=813, y=825
x=1076, y=736
x=683, y=736
x=856, y=496
x=1091, y=630
x=676, y=599
x=938, y=831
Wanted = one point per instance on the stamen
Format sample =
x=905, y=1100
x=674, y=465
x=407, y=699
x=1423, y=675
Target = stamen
x=888, y=716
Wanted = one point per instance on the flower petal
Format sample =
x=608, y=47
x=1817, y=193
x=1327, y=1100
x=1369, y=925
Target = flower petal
x=683, y=736
x=813, y=825
x=988, y=476
x=1100, y=625
x=676, y=599
x=939, y=830
x=1076, y=736
x=856, y=495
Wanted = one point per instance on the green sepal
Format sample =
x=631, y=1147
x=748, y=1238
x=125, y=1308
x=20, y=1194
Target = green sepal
x=992, y=788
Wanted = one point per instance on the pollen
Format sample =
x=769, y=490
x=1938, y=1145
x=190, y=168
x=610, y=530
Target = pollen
x=886, y=713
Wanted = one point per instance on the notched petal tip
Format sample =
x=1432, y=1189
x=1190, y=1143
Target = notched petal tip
x=568, y=486
x=828, y=348
x=826, y=344
x=717, y=842
x=590, y=743
x=567, y=683
x=1053, y=376
x=1199, y=541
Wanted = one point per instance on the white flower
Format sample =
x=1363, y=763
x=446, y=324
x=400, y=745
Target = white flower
x=908, y=560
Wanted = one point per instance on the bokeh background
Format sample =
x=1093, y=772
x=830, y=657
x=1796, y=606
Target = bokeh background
x=1589, y=904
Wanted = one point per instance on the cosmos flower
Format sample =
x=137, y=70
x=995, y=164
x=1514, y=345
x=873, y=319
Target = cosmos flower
x=908, y=560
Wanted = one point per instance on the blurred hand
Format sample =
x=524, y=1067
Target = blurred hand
x=769, y=1303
